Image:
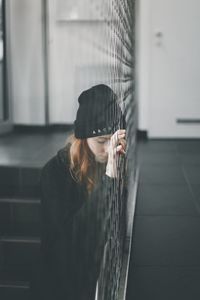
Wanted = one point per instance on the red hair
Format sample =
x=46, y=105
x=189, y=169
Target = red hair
x=84, y=169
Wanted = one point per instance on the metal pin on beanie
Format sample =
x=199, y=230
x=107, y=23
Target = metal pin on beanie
x=98, y=112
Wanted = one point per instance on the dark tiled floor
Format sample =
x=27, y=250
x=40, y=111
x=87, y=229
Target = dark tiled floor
x=30, y=150
x=165, y=257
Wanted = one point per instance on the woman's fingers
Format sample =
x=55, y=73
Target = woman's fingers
x=117, y=136
x=123, y=143
x=120, y=150
x=119, y=133
x=117, y=146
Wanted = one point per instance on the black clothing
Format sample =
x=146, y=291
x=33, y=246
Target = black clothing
x=72, y=237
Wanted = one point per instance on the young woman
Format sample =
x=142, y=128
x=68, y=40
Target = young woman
x=73, y=195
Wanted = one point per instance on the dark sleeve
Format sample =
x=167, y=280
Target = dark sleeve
x=71, y=258
x=89, y=234
x=55, y=238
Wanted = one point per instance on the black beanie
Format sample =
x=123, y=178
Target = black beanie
x=98, y=112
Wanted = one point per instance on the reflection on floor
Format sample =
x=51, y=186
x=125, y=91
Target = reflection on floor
x=30, y=150
x=165, y=256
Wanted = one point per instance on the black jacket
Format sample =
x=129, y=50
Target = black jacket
x=72, y=236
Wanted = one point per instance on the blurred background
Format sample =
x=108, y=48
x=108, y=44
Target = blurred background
x=148, y=52
x=47, y=46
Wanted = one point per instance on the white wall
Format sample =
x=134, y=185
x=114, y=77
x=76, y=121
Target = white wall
x=27, y=69
x=76, y=61
x=143, y=61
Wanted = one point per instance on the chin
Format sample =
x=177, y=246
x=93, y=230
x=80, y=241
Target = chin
x=101, y=160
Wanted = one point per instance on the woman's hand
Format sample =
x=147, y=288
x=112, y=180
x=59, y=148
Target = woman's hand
x=116, y=147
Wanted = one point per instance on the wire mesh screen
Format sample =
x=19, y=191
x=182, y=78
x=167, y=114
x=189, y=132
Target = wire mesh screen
x=92, y=47
x=106, y=34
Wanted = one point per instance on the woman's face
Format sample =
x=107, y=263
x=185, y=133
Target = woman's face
x=99, y=147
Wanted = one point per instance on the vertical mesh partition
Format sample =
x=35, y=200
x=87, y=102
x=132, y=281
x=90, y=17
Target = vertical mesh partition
x=100, y=46
x=120, y=50
x=110, y=45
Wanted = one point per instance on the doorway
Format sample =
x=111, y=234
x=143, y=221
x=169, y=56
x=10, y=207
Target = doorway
x=174, y=109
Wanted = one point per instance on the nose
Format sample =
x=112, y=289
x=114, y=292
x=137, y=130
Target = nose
x=106, y=145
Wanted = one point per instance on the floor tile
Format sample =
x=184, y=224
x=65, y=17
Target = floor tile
x=163, y=158
x=9, y=176
x=190, y=158
x=24, y=149
x=155, y=146
x=166, y=240
x=159, y=174
x=192, y=173
x=158, y=283
x=196, y=192
x=164, y=199
x=188, y=146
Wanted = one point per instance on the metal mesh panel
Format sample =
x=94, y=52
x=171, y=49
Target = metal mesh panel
x=121, y=49
x=113, y=38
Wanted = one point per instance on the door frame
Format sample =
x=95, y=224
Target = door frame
x=175, y=131
x=7, y=124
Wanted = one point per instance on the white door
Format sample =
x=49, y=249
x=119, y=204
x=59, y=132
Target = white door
x=175, y=69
